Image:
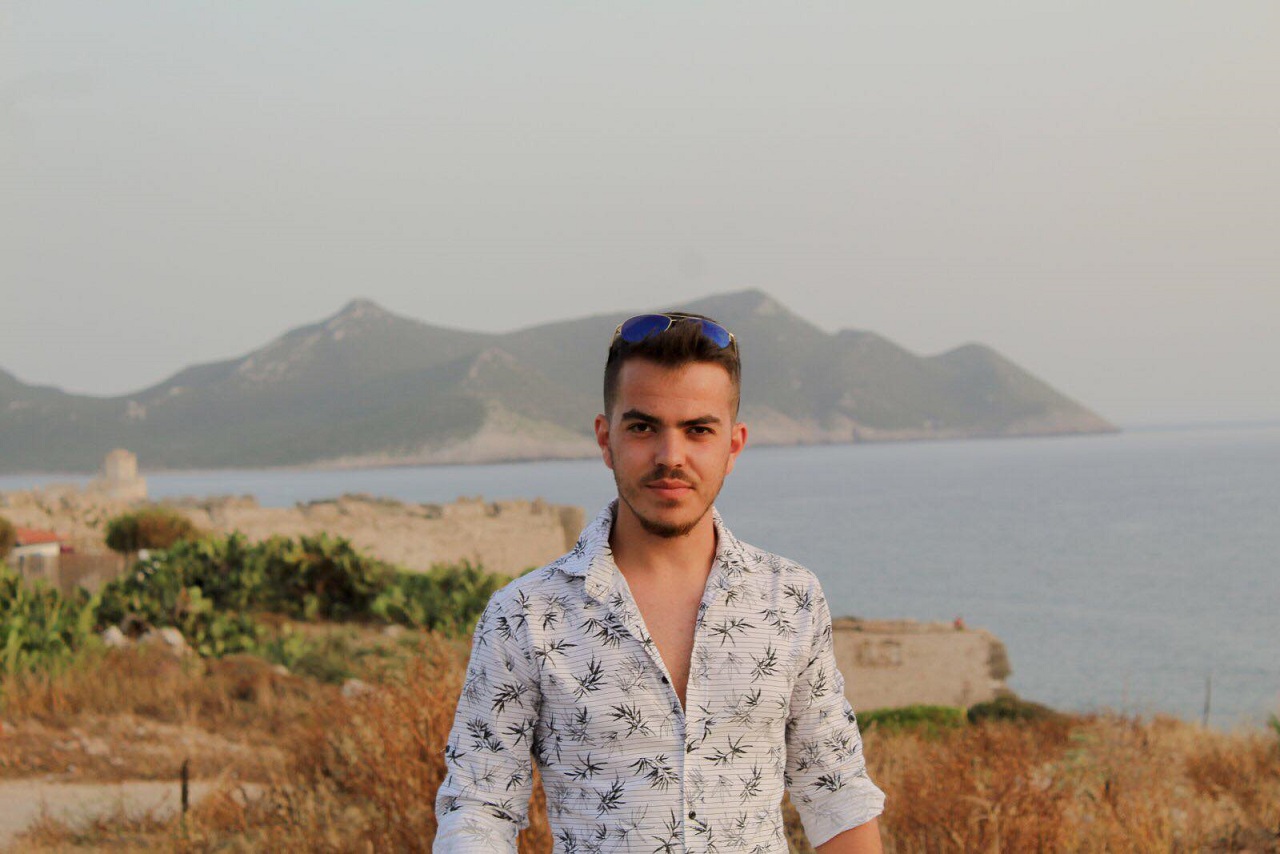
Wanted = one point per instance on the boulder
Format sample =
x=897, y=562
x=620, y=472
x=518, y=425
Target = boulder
x=114, y=638
x=169, y=639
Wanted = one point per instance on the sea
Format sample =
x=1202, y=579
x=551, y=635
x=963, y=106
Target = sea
x=1137, y=572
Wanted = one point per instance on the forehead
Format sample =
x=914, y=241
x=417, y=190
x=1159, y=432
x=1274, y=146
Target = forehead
x=688, y=391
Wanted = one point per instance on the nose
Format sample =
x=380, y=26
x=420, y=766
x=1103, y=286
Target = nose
x=669, y=449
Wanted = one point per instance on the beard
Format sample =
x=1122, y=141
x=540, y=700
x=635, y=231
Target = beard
x=667, y=530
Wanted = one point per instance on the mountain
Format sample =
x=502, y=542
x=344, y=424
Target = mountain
x=369, y=387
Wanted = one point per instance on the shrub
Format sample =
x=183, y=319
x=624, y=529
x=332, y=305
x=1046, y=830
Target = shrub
x=8, y=536
x=325, y=659
x=319, y=577
x=150, y=528
x=447, y=598
x=39, y=627
x=927, y=720
x=1011, y=708
x=168, y=589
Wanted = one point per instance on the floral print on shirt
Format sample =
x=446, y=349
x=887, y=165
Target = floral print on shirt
x=564, y=672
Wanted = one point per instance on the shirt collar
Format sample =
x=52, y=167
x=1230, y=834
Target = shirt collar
x=592, y=559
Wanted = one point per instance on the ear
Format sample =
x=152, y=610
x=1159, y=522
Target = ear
x=737, y=441
x=602, y=439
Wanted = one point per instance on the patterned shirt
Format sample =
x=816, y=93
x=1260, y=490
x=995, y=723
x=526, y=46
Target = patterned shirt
x=563, y=670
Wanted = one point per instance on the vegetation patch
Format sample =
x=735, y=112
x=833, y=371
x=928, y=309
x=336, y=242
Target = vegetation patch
x=8, y=536
x=923, y=719
x=1011, y=708
x=228, y=596
x=149, y=528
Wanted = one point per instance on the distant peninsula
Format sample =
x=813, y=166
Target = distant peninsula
x=367, y=387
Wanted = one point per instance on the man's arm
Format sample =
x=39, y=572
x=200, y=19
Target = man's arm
x=484, y=799
x=826, y=771
x=863, y=839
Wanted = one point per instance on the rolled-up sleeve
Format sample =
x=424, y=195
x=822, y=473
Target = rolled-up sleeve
x=484, y=799
x=826, y=771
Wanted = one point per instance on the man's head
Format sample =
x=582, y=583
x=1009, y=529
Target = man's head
x=686, y=340
x=670, y=431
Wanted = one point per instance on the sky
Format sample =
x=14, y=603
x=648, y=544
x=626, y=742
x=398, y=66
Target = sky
x=1093, y=189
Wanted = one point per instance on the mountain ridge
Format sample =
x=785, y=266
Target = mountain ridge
x=367, y=386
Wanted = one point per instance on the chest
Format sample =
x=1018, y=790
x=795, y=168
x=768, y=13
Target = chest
x=670, y=616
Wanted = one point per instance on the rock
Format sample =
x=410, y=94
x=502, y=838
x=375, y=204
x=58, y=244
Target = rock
x=114, y=638
x=252, y=679
x=167, y=638
x=353, y=688
x=95, y=747
x=393, y=631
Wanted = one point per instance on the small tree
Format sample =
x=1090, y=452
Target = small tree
x=8, y=536
x=152, y=528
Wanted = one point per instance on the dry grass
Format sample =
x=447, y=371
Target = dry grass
x=1102, y=783
x=153, y=684
x=361, y=775
x=139, y=713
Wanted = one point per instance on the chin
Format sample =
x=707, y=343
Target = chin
x=670, y=521
x=666, y=528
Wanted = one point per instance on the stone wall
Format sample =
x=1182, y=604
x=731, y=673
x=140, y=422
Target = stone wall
x=888, y=663
x=503, y=536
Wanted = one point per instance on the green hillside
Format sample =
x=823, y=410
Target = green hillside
x=367, y=386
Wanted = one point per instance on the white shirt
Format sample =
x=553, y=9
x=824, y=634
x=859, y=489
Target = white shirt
x=562, y=669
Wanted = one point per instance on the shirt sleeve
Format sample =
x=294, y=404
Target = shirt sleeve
x=484, y=799
x=826, y=771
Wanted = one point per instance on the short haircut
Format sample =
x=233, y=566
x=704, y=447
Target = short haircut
x=682, y=344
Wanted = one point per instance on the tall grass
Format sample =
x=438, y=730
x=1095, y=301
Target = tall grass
x=362, y=775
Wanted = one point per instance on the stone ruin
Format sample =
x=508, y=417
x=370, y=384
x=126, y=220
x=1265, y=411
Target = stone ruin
x=119, y=478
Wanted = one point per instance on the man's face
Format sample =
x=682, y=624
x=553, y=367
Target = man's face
x=670, y=441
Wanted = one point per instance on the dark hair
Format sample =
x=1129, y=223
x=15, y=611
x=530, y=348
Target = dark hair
x=681, y=344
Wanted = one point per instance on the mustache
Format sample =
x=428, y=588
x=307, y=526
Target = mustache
x=663, y=473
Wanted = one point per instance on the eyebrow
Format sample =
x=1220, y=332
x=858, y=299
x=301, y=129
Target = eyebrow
x=637, y=415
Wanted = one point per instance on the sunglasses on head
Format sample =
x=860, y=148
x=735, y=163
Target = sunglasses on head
x=642, y=326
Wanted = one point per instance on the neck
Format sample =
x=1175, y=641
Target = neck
x=637, y=552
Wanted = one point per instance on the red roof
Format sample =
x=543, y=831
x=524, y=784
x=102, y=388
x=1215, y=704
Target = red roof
x=33, y=536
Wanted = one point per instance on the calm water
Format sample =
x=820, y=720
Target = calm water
x=1121, y=571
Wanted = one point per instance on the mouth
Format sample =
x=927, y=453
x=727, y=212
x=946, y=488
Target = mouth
x=669, y=489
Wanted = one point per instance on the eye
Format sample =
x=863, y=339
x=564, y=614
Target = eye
x=701, y=430
x=639, y=427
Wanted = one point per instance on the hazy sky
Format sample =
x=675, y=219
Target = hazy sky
x=1091, y=188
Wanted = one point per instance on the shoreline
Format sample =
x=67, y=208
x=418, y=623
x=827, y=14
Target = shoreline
x=379, y=461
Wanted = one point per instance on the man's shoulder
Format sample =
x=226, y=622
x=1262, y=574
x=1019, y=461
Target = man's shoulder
x=773, y=569
x=548, y=580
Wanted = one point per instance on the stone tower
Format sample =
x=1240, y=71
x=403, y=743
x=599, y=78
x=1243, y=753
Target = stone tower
x=120, y=477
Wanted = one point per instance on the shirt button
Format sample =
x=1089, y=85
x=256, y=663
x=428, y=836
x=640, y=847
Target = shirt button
x=665, y=680
x=693, y=814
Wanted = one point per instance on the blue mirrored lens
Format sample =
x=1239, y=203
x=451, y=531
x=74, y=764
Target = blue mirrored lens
x=716, y=333
x=640, y=327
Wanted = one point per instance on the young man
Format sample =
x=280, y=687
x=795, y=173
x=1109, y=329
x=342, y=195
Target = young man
x=669, y=679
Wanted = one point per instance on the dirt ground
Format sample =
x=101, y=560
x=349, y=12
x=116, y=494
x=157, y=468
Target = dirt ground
x=23, y=802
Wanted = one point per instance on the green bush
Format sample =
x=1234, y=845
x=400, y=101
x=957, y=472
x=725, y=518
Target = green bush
x=928, y=720
x=8, y=536
x=209, y=589
x=1010, y=708
x=319, y=577
x=446, y=598
x=181, y=588
x=39, y=627
x=150, y=528
x=228, y=570
x=326, y=659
